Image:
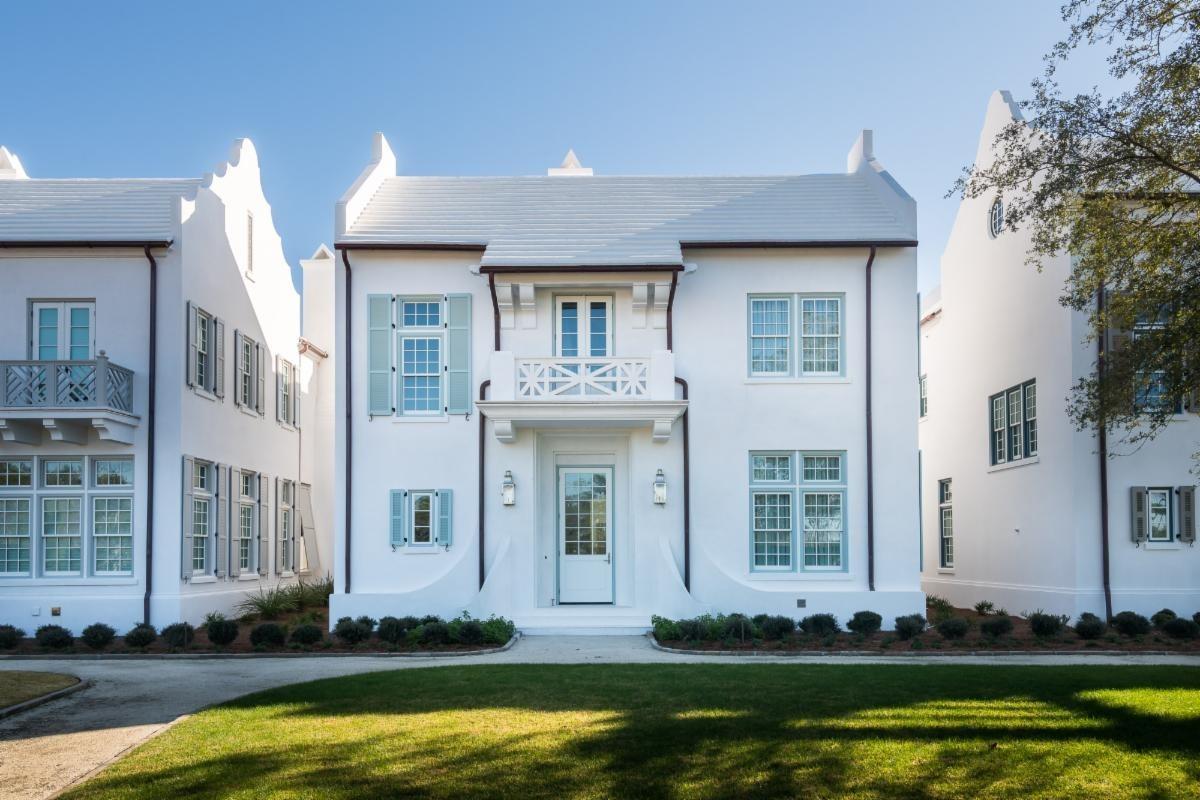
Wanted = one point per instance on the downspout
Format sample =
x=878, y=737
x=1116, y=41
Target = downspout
x=483, y=387
x=670, y=312
x=870, y=439
x=1102, y=437
x=495, y=312
x=349, y=418
x=687, y=494
x=150, y=424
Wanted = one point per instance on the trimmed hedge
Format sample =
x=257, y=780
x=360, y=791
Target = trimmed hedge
x=307, y=634
x=221, y=631
x=268, y=634
x=10, y=636
x=1162, y=617
x=997, y=626
x=865, y=623
x=1090, y=626
x=909, y=626
x=97, y=636
x=953, y=628
x=1130, y=623
x=1181, y=628
x=55, y=637
x=1044, y=625
x=178, y=635
x=140, y=635
x=820, y=625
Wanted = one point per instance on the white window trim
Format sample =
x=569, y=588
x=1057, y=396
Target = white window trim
x=584, y=320
x=1001, y=404
x=945, y=505
x=410, y=534
x=795, y=339
x=798, y=487
x=63, y=345
x=432, y=334
x=789, y=337
x=31, y=533
x=81, y=535
x=93, y=535
x=287, y=525
x=207, y=494
x=1169, y=491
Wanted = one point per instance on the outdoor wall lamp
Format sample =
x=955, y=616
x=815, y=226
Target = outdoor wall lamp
x=660, y=489
x=508, y=489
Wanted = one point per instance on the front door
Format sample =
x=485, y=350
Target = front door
x=585, y=568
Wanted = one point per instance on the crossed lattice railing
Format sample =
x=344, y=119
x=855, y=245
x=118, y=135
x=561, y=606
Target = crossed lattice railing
x=66, y=384
x=583, y=378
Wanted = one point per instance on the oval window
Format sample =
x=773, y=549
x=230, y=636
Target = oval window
x=996, y=218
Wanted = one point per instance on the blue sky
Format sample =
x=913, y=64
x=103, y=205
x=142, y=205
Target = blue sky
x=162, y=89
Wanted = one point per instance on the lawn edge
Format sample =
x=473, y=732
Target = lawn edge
x=235, y=656
x=26, y=705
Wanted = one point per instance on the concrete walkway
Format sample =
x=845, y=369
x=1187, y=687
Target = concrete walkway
x=50, y=747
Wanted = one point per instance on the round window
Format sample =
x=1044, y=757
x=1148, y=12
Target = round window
x=996, y=218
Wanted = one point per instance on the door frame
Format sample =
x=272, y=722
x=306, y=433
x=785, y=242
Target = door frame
x=559, y=469
x=584, y=322
x=63, y=309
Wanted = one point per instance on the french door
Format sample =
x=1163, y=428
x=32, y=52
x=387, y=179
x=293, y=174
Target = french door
x=64, y=331
x=584, y=327
x=585, y=563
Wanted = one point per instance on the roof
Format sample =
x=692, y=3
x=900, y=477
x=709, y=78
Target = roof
x=90, y=210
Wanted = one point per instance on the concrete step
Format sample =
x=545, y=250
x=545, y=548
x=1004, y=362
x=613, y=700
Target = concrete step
x=583, y=621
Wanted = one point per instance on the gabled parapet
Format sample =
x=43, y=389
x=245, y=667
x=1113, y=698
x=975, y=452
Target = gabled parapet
x=861, y=161
x=382, y=166
x=10, y=165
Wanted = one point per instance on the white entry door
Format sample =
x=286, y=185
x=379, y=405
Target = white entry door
x=585, y=566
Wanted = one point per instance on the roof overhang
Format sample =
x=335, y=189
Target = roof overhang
x=37, y=244
x=796, y=243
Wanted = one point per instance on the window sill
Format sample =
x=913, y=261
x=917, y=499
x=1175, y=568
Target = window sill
x=414, y=418
x=1162, y=546
x=250, y=576
x=1024, y=462
x=249, y=275
x=66, y=580
x=203, y=579
x=249, y=412
x=287, y=574
x=801, y=577
x=945, y=571
x=796, y=381
x=420, y=550
x=287, y=426
x=209, y=396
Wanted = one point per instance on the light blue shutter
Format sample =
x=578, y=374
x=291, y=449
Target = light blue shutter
x=445, y=521
x=188, y=518
x=379, y=354
x=397, y=507
x=191, y=344
x=458, y=354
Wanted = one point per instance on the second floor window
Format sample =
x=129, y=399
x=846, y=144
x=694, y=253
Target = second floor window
x=287, y=391
x=206, y=351
x=796, y=336
x=946, y=523
x=418, y=356
x=1013, y=434
x=63, y=331
x=924, y=406
x=584, y=327
x=248, y=373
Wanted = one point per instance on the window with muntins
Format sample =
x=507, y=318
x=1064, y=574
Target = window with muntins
x=583, y=327
x=63, y=331
x=418, y=355
x=206, y=351
x=247, y=521
x=1152, y=393
x=1161, y=515
x=287, y=525
x=797, y=511
x=203, y=489
x=810, y=325
x=1013, y=415
x=946, y=512
x=924, y=385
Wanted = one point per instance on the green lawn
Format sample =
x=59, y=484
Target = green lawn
x=738, y=730
x=17, y=687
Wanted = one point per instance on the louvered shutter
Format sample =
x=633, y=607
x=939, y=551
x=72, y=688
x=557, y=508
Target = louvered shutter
x=191, y=345
x=1187, y=514
x=238, y=366
x=1138, y=520
x=278, y=391
x=458, y=354
x=264, y=525
x=279, y=543
x=235, y=519
x=261, y=376
x=218, y=380
x=221, y=482
x=379, y=354
x=445, y=520
x=397, y=508
x=186, y=553
x=296, y=395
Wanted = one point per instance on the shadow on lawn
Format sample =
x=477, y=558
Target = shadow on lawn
x=686, y=731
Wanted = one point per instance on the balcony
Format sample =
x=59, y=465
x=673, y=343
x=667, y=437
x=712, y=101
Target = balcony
x=66, y=399
x=582, y=392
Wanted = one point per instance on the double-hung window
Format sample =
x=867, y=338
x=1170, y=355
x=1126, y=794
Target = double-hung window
x=420, y=349
x=112, y=516
x=946, y=523
x=421, y=519
x=1013, y=415
x=16, y=517
x=247, y=521
x=418, y=355
x=797, y=511
x=203, y=514
x=287, y=389
x=1161, y=516
x=64, y=331
x=1152, y=391
x=924, y=392
x=249, y=373
x=206, y=351
x=62, y=516
x=780, y=326
x=287, y=525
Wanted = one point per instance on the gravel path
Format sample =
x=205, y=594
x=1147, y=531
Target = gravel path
x=48, y=748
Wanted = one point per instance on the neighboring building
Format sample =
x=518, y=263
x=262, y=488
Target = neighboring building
x=1011, y=491
x=642, y=345
x=150, y=399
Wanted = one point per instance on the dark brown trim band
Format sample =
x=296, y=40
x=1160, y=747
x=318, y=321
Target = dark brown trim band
x=566, y=268
x=870, y=438
x=65, y=243
x=798, y=243
x=495, y=313
x=671, y=312
x=467, y=247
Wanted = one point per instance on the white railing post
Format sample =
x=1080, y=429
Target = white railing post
x=662, y=375
x=504, y=376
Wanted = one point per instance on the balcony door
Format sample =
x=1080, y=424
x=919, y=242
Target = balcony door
x=583, y=327
x=64, y=331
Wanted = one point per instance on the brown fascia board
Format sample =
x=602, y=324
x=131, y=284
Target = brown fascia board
x=797, y=243
x=473, y=247
x=513, y=268
x=46, y=243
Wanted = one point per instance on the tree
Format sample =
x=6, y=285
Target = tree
x=1114, y=180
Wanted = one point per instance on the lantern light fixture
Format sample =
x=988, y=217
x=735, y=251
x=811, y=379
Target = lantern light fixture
x=660, y=488
x=508, y=489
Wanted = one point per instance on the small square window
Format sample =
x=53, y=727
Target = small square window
x=16, y=472
x=62, y=473
x=771, y=468
x=421, y=313
x=823, y=468
x=107, y=472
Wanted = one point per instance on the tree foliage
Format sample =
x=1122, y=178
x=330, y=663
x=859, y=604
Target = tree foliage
x=1113, y=179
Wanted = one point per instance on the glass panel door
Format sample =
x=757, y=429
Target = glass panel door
x=585, y=564
x=63, y=331
x=584, y=327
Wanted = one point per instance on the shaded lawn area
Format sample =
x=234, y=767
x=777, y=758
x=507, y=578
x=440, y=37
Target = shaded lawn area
x=17, y=687
x=712, y=730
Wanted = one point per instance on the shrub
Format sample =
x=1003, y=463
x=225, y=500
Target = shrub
x=738, y=627
x=54, y=636
x=940, y=607
x=97, y=636
x=1131, y=623
x=497, y=630
x=269, y=602
x=470, y=632
x=268, y=634
x=1181, y=628
x=10, y=636
x=425, y=620
x=140, y=635
x=777, y=627
x=221, y=631
x=1043, y=624
x=367, y=622
x=1162, y=617
x=351, y=631
x=865, y=623
x=665, y=630
x=1196, y=618
x=820, y=625
x=307, y=634
x=909, y=626
x=693, y=630
x=178, y=635
x=392, y=630
x=984, y=607
x=434, y=633
x=997, y=626
x=1090, y=626
x=317, y=593
x=953, y=628
x=409, y=622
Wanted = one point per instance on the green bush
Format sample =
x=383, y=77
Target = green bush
x=497, y=630
x=776, y=627
x=1180, y=628
x=428, y=618
x=469, y=632
x=178, y=635
x=820, y=625
x=351, y=631
x=54, y=636
x=1131, y=623
x=940, y=608
x=1089, y=626
x=221, y=631
x=269, y=602
x=909, y=626
x=1044, y=625
x=392, y=630
x=140, y=635
x=953, y=628
x=434, y=633
x=268, y=634
x=307, y=634
x=738, y=627
x=665, y=630
x=10, y=636
x=984, y=607
x=865, y=623
x=1196, y=618
x=97, y=636
x=367, y=622
x=1162, y=617
x=693, y=630
x=997, y=626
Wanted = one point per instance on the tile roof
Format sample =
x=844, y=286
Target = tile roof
x=33, y=210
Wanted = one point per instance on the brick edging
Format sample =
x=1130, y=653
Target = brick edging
x=17, y=708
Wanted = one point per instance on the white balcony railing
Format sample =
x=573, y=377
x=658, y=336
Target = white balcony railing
x=583, y=378
x=96, y=384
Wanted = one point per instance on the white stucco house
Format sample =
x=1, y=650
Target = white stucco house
x=1013, y=496
x=150, y=402
x=579, y=400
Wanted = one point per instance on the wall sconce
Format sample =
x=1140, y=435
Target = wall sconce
x=508, y=489
x=660, y=488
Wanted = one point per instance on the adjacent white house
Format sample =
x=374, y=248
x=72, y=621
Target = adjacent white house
x=1013, y=496
x=150, y=400
x=580, y=400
